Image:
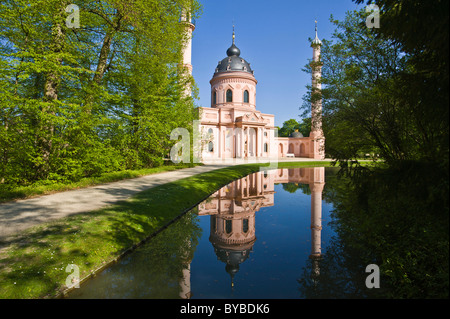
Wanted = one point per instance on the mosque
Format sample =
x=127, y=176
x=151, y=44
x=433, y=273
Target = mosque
x=233, y=128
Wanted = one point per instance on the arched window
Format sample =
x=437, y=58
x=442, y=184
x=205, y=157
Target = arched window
x=246, y=97
x=228, y=226
x=266, y=148
x=214, y=98
x=245, y=225
x=211, y=138
x=211, y=147
x=229, y=96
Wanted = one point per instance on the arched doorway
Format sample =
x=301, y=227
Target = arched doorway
x=302, y=149
x=291, y=148
x=280, y=149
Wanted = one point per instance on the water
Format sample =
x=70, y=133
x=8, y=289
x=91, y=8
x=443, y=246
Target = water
x=262, y=236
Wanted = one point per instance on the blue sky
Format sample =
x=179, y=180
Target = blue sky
x=273, y=37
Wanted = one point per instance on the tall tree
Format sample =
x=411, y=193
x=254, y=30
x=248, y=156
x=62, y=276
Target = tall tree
x=82, y=101
x=421, y=29
x=362, y=108
x=288, y=128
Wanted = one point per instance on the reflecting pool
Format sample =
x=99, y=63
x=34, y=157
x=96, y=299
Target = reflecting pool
x=261, y=236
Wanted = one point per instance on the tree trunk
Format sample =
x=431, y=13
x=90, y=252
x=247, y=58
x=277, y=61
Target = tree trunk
x=52, y=81
x=113, y=27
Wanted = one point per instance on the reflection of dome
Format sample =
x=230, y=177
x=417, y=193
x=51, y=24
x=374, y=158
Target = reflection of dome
x=232, y=258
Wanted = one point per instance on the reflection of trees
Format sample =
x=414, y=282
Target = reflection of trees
x=154, y=270
x=342, y=274
x=293, y=187
x=397, y=219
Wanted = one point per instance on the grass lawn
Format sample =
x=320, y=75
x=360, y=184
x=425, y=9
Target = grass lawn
x=33, y=264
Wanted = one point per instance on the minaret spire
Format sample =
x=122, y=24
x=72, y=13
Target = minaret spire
x=318, y=139
x=316, y=40
x=234, y=36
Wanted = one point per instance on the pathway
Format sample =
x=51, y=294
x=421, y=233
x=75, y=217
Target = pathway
x=19, y=215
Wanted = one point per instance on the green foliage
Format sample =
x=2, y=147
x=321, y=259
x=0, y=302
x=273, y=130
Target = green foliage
x=378, y=97
x=305, y=126
x=420, y=28
x=288, y=128
x=85, y=101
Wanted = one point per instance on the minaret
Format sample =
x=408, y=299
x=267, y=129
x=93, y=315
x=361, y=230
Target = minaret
x=187, y=21
x=316, y=134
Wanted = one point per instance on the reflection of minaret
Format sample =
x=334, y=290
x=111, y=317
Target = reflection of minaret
x=185, y=282
x=316, y=217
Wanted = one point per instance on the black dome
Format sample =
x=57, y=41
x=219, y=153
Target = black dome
x=232, y=258
x=233, y=62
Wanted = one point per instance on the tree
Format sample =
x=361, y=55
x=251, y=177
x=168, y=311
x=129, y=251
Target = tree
x=361, y=105
x=305, y=126
x=420, y=28
x=288, y=128
x=78, y=102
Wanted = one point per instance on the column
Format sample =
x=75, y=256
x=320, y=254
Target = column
x=242, y=142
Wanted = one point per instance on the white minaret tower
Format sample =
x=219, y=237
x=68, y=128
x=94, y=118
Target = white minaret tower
x=316, y=134
x=187, y=20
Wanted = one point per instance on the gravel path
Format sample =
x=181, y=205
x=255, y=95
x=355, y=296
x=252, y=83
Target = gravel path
x=19, y=215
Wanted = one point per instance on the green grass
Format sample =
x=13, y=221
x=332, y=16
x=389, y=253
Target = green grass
x=32, y=265
x=21, y=192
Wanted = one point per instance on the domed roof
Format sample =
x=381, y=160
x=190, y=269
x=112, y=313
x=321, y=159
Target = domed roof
x=232, y=258
x=233, y=62
x=233, y=50
x=296, y=134
x=316, y=41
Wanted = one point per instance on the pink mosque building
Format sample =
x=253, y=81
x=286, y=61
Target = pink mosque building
x=233, y=128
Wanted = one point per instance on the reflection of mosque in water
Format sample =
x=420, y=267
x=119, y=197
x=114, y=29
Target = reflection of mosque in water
x=233, y=207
